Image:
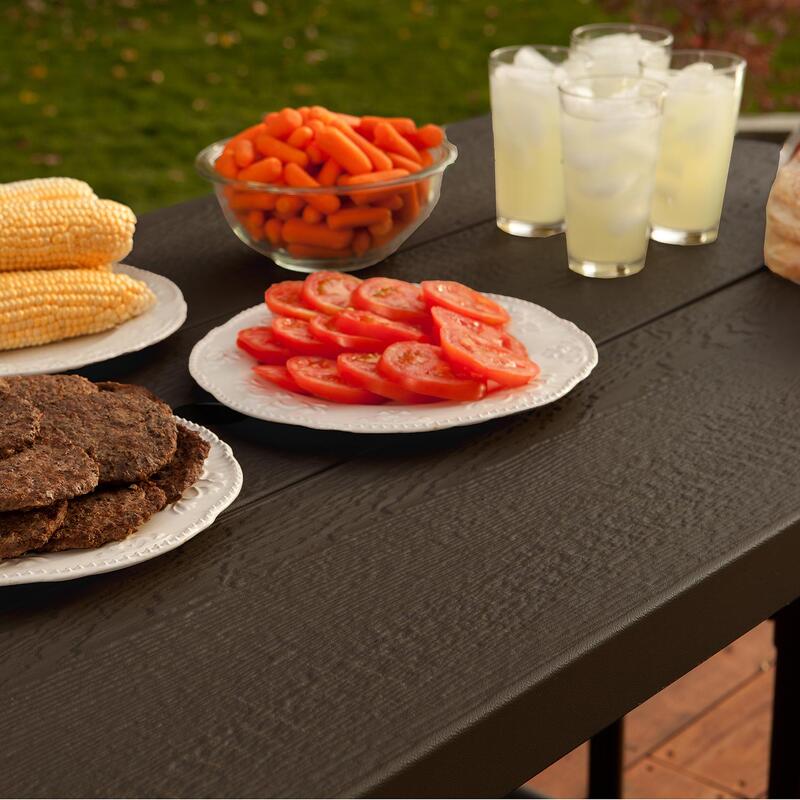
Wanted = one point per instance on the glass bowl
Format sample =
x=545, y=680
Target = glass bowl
x=257, y=213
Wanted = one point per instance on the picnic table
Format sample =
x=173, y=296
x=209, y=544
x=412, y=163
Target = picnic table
x=443, y=613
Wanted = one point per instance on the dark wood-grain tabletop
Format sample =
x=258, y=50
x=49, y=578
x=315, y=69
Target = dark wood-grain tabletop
x=443, y=613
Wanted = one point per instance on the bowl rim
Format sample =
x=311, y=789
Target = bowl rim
x=204, y=164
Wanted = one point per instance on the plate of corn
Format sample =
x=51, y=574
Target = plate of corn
x=65, y=299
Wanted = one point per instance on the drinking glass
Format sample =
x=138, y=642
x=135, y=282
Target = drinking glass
x=610, y=127
x=529, y=185
x=617, y=49
x=701, y=107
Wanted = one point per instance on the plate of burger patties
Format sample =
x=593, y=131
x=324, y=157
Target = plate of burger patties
x=95, y=477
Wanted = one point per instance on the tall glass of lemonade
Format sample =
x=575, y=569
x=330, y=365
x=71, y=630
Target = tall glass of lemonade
x=618, y=48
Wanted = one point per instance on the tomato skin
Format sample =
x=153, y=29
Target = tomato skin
x=324, y=328
x=491, y=361
x=365, y=323
x=260, y=343
x=445, y=318
x=361, y=369
x=295, y=335
x=329, y=292
x=423, y=368
x=320, y=377
x=278, y=375
x=286, y=300
x=393, y=299
x=515, y=346
x=457, y=297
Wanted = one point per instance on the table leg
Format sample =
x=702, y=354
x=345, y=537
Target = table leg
x=784, y=759
x=605, y=761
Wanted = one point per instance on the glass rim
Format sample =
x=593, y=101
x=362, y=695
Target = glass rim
x=566, y=86
x=204, y=164
x=665, y=35
x=499, y=51
x=736, y=61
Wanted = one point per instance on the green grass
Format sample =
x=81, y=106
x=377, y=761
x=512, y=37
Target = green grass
x=124, y=95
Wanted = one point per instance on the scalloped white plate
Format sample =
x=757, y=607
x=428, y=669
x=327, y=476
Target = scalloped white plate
x=158, y=322
x=564, y=352
x=215, y=490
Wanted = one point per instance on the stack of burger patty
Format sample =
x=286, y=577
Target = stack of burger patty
x=83, y=464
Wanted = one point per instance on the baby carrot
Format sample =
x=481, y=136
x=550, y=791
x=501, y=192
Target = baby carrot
x=423, y=187
x=277, y=126
x=254, y=223
x=292, y=116
x=348, y=119
x=387, y=138
x=244, y=153
x=247, y=133
x=295, y=231
x=288, y=205
x=361, y=242
x=311, y=251
x=264, y=171
x=358, y=217
x=270, y=146
x=321, y=113
x=426, y=136
x=377, y=157
x=248, y=200
x=226, y=165
x=373, y=177
x=298, y=177
x=310, y=214
x=349, y=155
x=381, y=228
x=315, y=155
x=329, y=173
x=316, y=125
x=300, y=137
x=402, y=125
x=394, y=202
x=410, y=208
x=404, y=163
x=273, y=230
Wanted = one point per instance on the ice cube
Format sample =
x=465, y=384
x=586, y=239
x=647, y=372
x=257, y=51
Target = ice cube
x=697, y=77
x=531, y=58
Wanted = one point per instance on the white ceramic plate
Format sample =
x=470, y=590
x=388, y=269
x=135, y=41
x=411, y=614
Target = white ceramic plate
x=215, y=490
x=565, y=354
x=158, y=322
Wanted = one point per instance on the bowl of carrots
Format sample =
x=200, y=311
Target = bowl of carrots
x=318, y=190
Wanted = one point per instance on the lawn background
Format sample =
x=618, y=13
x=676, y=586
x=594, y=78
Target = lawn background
x=124, y=94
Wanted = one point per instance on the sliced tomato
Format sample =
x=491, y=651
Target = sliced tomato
x=295, y=335
x=260, y=343
x=365, y=323
x=514, y=345
x=488, y=360
x=423, y=368
x=392, y=299
x=361, y=369
x=320, y=377
x=278, y=375
x=329, y=292
x=324, y=328
x=443, y=317
x=460, y=298
x=286, y=298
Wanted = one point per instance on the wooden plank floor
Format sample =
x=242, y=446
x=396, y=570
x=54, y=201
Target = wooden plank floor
x=706, y=735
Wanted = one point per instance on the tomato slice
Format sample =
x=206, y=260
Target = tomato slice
x=320, y=377
x=286, y=298
x=260, y=343
x=295, y=335
x=488, y=360
x=443, y=317
x=392, y=299
x=278, y=375
x=361, y=369
x=423, y=368
x=329, y=292
x=365, y=323
x=324, y=328
x=460, y=298
x=515, y=346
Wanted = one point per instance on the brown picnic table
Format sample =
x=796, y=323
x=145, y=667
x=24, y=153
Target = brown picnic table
x=442, y=613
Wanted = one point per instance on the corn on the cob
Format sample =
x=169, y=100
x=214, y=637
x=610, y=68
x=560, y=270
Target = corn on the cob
x=44, y=306
x=45, y=189
x=54, y=234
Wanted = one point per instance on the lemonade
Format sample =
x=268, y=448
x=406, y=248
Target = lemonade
x=529, y=185
x=610, y=129
x=700, y=113
x=619, y=49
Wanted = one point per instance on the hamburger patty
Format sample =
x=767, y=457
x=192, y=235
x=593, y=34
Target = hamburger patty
x=185, y=467
x=106, y=515
x=131, y=434
x=21, y=531
x=45, y=473
x=19, y=422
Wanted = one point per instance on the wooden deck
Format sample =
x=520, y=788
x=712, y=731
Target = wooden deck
x=706, y=735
